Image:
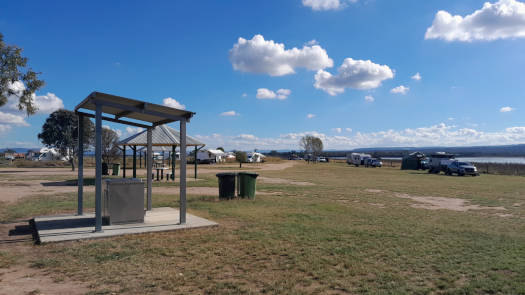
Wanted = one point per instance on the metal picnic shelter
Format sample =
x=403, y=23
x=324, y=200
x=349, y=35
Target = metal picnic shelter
x=162, y=136
x=135, y=113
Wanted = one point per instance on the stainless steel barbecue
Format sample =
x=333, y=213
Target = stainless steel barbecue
x=123, y=201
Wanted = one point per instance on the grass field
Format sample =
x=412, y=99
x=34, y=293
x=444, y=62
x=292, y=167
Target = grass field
x=355, y=230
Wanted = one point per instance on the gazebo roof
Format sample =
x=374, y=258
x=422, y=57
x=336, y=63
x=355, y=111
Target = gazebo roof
x=121, y=107
x=161, y=136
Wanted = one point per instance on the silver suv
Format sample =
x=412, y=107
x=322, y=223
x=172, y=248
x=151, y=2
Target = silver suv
x=461, y=169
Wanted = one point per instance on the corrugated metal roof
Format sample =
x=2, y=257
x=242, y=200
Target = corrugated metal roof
x=123, y=107
x=161, y=136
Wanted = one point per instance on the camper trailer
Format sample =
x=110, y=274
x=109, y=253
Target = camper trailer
x=255, y=157
x=439, y=162
x=357, y=159
x=210, y=156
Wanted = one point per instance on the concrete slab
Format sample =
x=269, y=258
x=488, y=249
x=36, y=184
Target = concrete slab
x=60, y=228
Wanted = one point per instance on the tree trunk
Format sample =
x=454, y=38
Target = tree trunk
x=240, y=164
x=72, y=161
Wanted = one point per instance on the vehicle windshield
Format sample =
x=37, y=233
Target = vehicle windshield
x=464, y=164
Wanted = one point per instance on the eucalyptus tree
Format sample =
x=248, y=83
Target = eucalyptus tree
x=60, y=131
x=13, y=70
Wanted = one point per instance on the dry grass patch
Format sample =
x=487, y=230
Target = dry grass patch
x=333, y=237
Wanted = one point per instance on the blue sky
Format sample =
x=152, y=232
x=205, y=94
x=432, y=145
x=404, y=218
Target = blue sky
x=471, y=64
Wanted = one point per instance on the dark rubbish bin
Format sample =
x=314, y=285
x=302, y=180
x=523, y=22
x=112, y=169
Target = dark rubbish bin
x=226, y=185
x=105, y=169
x=247, y=184
x=116, y=169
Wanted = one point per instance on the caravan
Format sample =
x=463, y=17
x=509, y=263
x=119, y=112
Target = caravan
x=210, y=156
x=255, y=157
x=357, y=159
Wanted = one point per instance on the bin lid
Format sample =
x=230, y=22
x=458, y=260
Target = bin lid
x=226, y=174
x=249, y=173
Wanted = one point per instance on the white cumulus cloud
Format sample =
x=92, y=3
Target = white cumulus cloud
x=117, y=131
x=310, y=116
x=348, y=129
x=172, y=103
x=506, y=109
x=337, y=130
x=133, y=130
x=416, y=77
x=246, y=137
x=500, y=20
x=400, y=90
x=229, y=114
x=13, y=119
x=319, y=5
x=45, y=104
x=268, y=57
x=11, y=116
x=264, y=93
x=435, y=135
x=369, y=98
x=357, y=74
x=4, y=128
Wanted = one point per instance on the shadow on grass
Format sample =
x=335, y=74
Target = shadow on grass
x=88, y=181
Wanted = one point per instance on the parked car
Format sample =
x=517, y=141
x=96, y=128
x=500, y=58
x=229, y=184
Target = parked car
x=424, y=165
x=373, y=162
x=323, y=159
x=461, y=169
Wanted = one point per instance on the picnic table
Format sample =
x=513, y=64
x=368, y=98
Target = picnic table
x=160, y=171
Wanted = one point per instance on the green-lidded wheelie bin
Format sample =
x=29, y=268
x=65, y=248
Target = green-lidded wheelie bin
x=226, y=185
x=116, y=168
x=247, y=184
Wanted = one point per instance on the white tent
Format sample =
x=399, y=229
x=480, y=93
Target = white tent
x=256, y=157
x=51, y=154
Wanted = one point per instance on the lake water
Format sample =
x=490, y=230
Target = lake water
x=511, y=160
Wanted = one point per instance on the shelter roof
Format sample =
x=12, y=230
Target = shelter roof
x=122, y=107
x=161, y=136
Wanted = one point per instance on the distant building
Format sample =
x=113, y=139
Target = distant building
x=33, y=154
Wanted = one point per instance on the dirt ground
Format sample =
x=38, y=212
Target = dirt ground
x=436, y=203
x=283, y=181
x=26, y=280
x=22, y=278
x=15, y=187
x=15, y=190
